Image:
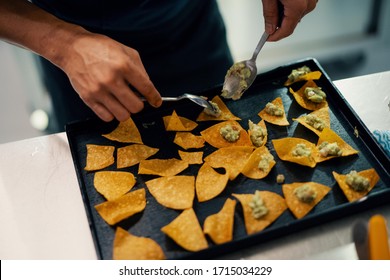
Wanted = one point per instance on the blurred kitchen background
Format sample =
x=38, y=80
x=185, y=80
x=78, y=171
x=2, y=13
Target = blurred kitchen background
x=349, y=38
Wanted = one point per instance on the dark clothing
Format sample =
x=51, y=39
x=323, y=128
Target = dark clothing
x=182, y=44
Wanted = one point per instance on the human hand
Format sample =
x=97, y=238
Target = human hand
x=101, y=69
x=293, y=12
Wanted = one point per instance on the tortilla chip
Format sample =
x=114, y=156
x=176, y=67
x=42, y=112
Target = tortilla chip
x=99, y=157
x=177, y=123
x=187, y=140
x=225, y=112
x=186, y=231
x=276, y=120
x=192, y=157
x=233, y=159
x=251, y=168
x=175, y=192
x=264, y=127
x=162, y=167
x=219, y=226
x=330, y=136
x=114, y=211
x=285, y=146
x=314, y=75
x=209, y=183
x=125, y=132
x=276, y=206
x=113, y=184
x=130, y=247
x=322, y=114
x=297, y=207
x=133, y=154
x=212, y=136
x=303, y=101
x=350, y=193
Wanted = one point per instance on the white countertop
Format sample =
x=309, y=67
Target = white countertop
x=42, y=215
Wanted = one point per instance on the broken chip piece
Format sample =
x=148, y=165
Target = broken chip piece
x=275, y=204
x=297, y=150
x=303, y=73
x=258, y=133
x=125, y=132
x=162, y=167
x=352, y=194
x=302, y=197
x=175, y=192
x=130, y=247
x=113, y=184
x=209, y=183
x=316, y=121
x=303, y=101
x=225, y=115
x=259, y=164
x=330, y=145
x=175, y=122
x=233, y=159
x=215, y=138
x=219, y=226
x=133, y=154
x=191, y=157
x=187, y=140
x=296, y=74
x=186, y=231
x=114, y=211
x=274, y=113
x=99, y=157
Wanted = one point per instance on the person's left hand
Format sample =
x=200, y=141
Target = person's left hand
x=293, y=12
x=101, y=69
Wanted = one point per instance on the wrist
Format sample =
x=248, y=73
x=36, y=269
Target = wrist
x=57, y=44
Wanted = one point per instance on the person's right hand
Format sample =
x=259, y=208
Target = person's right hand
x=293, y=12
x=101, y=70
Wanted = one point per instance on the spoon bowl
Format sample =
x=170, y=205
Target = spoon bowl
x=242, y=74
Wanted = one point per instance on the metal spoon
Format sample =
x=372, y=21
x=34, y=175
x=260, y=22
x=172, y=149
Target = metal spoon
x=194, y=98
x=235, y=82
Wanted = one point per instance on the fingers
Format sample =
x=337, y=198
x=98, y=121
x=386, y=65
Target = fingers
x=286, y=29
x=104, y=84
x=102, y=112
x=293, y=12
x=120, y=105
x=271, y=15
x=139, y=79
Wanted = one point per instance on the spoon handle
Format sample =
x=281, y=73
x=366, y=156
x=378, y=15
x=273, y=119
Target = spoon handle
x=260, y=45
x=265, y=35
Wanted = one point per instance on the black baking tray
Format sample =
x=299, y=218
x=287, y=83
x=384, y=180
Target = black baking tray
x=266, y=87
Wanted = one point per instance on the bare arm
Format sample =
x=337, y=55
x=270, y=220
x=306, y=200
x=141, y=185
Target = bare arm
x=98, y=67
x=293, y=12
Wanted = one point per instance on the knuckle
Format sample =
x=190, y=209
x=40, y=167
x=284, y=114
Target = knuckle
x=87, y=97
x=108, y=79
x=101, y=112
x=123, y=116
x=148, y=88
x=133, y=52
x=138, y=107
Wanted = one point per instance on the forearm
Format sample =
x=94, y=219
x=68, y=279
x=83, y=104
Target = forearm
x=99, y=68
x=28, y=26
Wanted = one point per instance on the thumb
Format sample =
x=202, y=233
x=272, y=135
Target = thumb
x=273, y=15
